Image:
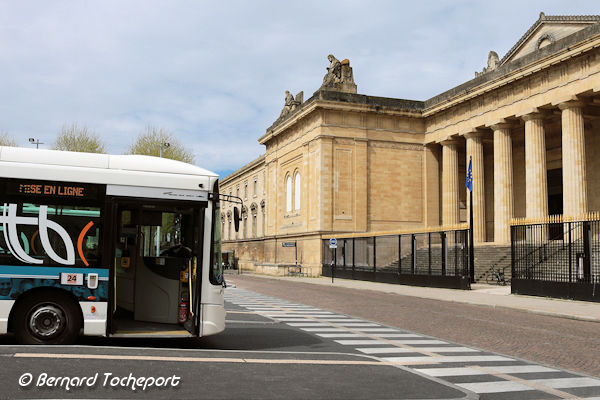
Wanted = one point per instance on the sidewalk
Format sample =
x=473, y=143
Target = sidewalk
x=480, y=294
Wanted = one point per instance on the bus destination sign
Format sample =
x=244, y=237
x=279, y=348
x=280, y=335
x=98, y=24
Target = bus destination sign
x=52, y=189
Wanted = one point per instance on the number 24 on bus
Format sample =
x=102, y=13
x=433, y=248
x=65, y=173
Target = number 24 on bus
x=110, y=246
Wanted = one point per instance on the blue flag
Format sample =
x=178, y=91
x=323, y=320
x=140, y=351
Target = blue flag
x=469, y=182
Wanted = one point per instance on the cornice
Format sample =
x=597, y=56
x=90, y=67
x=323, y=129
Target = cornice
x=504, y=75
x=237, y=173
x=548, y=18
x=369, y=104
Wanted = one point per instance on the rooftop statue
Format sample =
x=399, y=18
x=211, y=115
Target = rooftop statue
x=291, y=103
x=492, y=64
x=334, y=71
x=339, y=76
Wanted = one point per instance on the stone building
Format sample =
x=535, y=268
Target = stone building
x=343, y=162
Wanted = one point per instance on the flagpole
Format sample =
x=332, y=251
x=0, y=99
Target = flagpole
x=471, y=242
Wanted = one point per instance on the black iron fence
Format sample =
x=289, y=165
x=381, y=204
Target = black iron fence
x=434, y=257
x=557, y=257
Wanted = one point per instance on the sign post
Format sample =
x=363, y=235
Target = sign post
x=333, y=245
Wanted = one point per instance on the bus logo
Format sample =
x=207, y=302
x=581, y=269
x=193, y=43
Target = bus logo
x=10, y=221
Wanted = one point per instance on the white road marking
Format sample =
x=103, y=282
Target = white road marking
x=303, y=314
x=494, y=387
x=341, y=321
x=388, y=342
x=290, y=319
x=444, y=359
x=383, y=350
x=194, y=359
x=340, y=335
x=441, y=372
x=565, y=383
x=397, y=335
x=329, y=329
x=521, y=369
x=504, y=369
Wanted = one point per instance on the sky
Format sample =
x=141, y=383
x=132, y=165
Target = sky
x=215, y=73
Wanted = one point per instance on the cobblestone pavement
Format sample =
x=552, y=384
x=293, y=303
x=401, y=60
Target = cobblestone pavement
x=559, y=342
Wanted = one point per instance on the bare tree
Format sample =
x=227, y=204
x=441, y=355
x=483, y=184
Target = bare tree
x=75, y=138
x=160, y=142
x=7, y=140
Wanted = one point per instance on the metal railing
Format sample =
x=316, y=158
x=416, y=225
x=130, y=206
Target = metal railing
x=436, y=257
x=557, y=257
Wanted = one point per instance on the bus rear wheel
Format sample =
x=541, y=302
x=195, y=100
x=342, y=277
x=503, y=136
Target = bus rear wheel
x=47, y=318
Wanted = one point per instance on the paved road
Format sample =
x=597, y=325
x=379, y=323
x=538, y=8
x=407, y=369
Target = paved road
x=257, y=357
x=569, y=344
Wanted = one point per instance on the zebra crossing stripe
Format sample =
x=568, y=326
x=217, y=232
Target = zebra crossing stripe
x=494, y=387
x=341, y=321
x=340, y=335
x=398, y=335
x=384, y=350
x=459, y=371
x=567, y=383
x=328, y=329
x=503, y=369
x=387, y=342
x=291, y=319
x=446, y=359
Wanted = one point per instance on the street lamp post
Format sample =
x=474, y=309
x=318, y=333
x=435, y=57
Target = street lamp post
x=36, y=142
x=163, y=146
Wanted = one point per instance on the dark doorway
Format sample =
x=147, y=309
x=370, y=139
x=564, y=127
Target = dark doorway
x=555, y=201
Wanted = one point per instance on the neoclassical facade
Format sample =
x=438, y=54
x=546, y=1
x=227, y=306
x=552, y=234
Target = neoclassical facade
x=344, y=162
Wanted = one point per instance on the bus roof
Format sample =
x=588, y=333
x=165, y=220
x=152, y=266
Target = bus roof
x=132, y=170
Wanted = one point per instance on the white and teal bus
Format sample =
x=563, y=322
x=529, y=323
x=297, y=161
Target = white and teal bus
x=107, y=245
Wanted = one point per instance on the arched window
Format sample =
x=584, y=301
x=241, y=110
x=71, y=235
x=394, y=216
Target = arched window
x=253, y=209
x=229, y=236
x=297, y=192
x=288, y=194
x=245, y=217
x=264, y=217
x=223, y=226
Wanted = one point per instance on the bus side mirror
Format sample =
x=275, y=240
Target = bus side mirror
x=236, y=219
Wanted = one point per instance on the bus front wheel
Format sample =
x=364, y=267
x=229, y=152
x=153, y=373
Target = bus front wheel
x=47, y=318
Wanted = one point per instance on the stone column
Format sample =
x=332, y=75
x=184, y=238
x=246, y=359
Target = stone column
x=475, y=151
x=573, y=154
x=503, y=182
x=450, y=210
x=536, y=185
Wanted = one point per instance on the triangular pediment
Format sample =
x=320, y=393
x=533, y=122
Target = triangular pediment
x=547, y=30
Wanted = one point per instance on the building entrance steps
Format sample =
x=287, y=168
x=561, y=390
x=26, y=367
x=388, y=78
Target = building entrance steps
x=487, y=257
x=480, y=294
